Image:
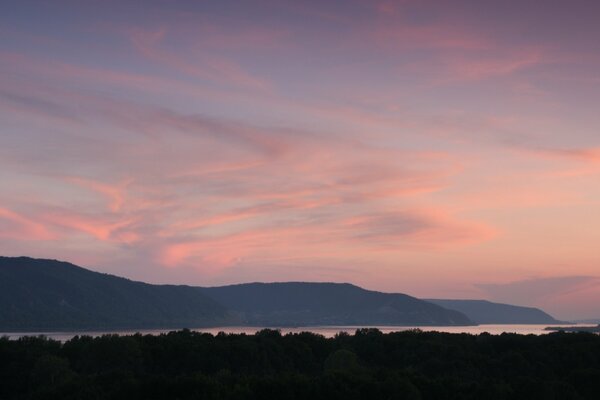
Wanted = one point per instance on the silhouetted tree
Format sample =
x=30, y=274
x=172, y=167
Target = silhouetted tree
x=367, y=365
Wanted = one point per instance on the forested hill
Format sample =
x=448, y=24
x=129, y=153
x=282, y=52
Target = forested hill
x=38, y=295
x=48, y=295
x=304, y=304
x=486, y=312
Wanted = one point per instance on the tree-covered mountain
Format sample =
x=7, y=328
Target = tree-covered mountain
x=304, y=304
x=486, y=312
x=38, y=295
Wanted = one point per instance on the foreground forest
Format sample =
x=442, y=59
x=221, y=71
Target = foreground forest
x=268, y=365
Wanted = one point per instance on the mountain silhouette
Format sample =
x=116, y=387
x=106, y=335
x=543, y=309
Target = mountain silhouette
x=52, y=295
x=487, y=312
x=304, y=303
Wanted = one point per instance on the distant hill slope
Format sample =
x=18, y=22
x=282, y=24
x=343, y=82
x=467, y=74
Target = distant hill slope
x=305, y=304
x=38, y=295
x=588, y=321
x=486, y=312
x=49, y=295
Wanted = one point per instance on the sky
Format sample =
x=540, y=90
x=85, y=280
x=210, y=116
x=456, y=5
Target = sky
x=439, y=149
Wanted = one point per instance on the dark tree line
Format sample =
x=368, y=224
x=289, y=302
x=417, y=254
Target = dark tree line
x=366, y=365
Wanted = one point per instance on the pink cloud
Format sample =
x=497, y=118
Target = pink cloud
x=412, y=228
x=210, y=67
x=565, y=163
x=244, y=37
x=280, y=174
x=401, y=34
x=148, y=84
x=325, y=237
x=397, y=140
x=103, y=229
x=591, y=155
x=85, y=75
x=526, y=196
x=116, y=194
x=485, y=66
x=16, y=226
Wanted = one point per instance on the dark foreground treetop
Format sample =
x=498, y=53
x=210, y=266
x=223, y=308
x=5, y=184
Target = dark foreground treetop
x=367, y=365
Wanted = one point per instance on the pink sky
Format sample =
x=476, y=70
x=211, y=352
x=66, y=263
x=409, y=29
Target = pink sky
x=440, y=149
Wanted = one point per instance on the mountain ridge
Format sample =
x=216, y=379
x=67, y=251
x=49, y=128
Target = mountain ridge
x=327, y=303
x=488, y=312
x=42, y=294
x=51, y=295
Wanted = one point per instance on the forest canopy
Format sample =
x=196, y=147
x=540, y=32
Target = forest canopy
x=268, y=365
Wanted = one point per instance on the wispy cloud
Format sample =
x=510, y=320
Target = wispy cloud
x=16, y=226
x=204, y=66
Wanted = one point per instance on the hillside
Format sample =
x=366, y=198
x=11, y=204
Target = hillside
x=588, y=321
x=38, y=295
x=486, y=312
x=304, y=304
x=49, y=295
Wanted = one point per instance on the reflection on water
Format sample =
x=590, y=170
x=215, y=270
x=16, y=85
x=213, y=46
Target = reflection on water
x=327, y=331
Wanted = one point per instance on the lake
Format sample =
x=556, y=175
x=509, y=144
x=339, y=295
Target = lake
x=327, y=331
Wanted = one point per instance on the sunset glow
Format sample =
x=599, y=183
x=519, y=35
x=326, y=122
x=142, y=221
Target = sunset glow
x=438, y=149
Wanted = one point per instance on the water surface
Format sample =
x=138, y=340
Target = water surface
x=327, y=331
